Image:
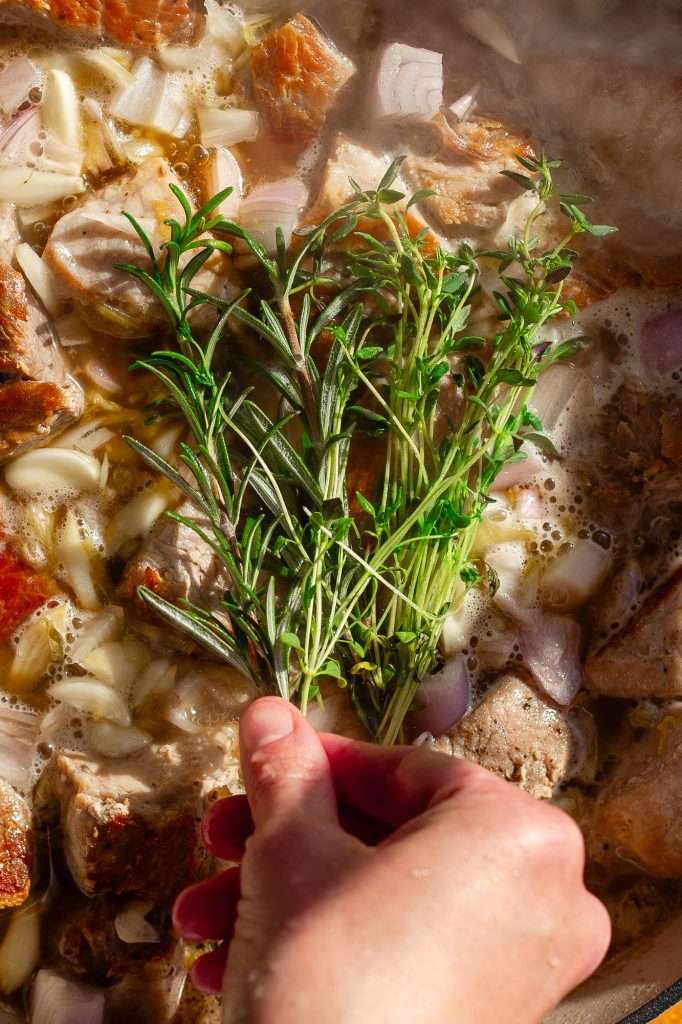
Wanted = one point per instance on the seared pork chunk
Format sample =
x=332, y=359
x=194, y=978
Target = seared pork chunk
x=472, y=197
x=133, y=826
x=37, y=397
x=86, y=244
x=176, y=563
x=645, y=658
x=516, y=734
x=297, y=75
x=142, y=24
x=637, y=817
x=15, y=848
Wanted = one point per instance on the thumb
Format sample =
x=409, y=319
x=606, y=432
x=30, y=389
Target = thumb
x=285, y=767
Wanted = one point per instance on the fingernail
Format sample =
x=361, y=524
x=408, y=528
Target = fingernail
x=266, y=722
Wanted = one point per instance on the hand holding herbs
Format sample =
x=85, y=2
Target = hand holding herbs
x=364, y=331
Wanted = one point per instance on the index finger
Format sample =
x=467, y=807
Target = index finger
x=395, y=784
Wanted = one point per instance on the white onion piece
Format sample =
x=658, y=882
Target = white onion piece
x=274, y=205
x=117, y=662
x=20, y=948
x=18, y=735
x=661, y=342
x=150, y=100
x=16, y=82
x=93, y=111
x=550, y=645
x=156, y=681
x=443, y=698
x=137, y=516
x=227, y=127
x=111, y=740
x=554, y=391
x=38, y=645
x=106, y=625
x=408, y=84
x=165, y=444
x=574, y=577
x=57, y=999
x=132, y=926
x=40, y=276
x=20, y=136
x=487, y=27
x=53, y=469
x=76, y=557
x=465, y=105
x=61, y=112
x=107, y=62
x=224, y=26
x=517, y=589
x=93, y=698
x=224, y=172
x=99, y=373
x=138, y=150
x=517, y=473
x=27, y=186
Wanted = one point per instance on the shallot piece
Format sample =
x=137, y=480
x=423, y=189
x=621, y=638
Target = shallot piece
x=661, y=342
x=16, y=82
x=46, y=470
x=408, y=85
x=18, y=735
x=516, y=587
x=521, y=472
x=20, y=136
x=132, y=926
x=465, y=105
x=227, y=127
x=443, y=698
x=490, y=30
x=554, y=391
x=150, y=100
x=224, y=172
x=277, y=204
x=57, y=999
x=575, y=576
x=550, y=645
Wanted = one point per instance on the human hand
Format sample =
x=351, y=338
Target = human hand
x=446, y=892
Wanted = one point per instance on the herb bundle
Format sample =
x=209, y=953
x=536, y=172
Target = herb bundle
x=364, y=331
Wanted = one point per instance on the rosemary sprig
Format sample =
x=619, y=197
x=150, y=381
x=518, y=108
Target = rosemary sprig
x=317, y=592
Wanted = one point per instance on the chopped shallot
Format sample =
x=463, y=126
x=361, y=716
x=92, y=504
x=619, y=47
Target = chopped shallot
x=92, y=697
x=223, y=25
x=106, y=625
x=516, y=589
x=20, y=136
x=53, y=469
x=554, y=391
x=465, y=105
x=111, y=740
x=227, y=127
x=16, y=82
x=72, y=331
x=443, y=698
x=132, y=926
x=550, y=645
x=18, y=735
x=40, y=276
x=224, y=172
x=108, y=62
x=61, y=113
x=575, y=576
x=661, y=342
x=117, y=662
x=408, y=85
x=274, y=205
x=138, y=516
x=150, y=100
x=155, y=682
x=76, y=555
x=27, y=186
x=57, y=999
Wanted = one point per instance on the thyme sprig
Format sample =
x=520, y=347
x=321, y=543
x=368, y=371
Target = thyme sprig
x=364, y=328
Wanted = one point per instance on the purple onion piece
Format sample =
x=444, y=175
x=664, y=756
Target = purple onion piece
x=661, y=342
x=443, y=698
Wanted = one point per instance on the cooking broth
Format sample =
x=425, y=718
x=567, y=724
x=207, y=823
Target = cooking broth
x=575, y=544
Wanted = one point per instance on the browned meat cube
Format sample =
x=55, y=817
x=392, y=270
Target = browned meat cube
x=516, y=734
x=132, y=827
x=15, y=848
x=645, y=658
x=176, y=563
x=134, y=23
x=37, y=397
x=637, y=818
x=472, y=196
x=297, y=75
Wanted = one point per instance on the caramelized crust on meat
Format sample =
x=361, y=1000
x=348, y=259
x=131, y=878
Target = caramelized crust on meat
x=297, y=75
x=21, y=591
x=143, y=24
x=29, y=410
x=13, y=322
x=15, y=848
